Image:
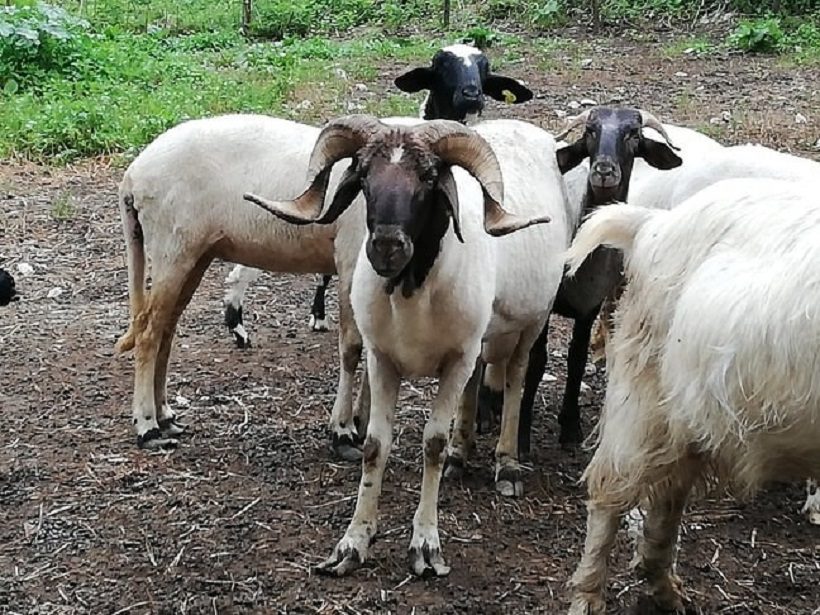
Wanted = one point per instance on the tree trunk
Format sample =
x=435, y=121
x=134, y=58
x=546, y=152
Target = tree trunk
x=446, y=19
x=247, y=10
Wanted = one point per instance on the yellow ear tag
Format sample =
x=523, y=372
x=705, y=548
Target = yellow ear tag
x=509, y=97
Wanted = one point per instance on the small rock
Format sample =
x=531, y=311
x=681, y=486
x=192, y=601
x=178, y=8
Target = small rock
x=24, y=269
x=588, y=102
x=590, y=369
x=680, y=73
x=689, y=50
x=585, y=388
x=340, y=73
x=55, y=292
x=182, y=402
x=574, y=104
x=548, y=378
x=560, y=113
x=354, y=106
x=305, y=104
x=361, y=87
x=586, y=62
x=800, y=119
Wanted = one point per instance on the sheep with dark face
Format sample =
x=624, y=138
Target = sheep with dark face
x=8, y=291
x=430, y=302
x=458, y=79
x=612, y=140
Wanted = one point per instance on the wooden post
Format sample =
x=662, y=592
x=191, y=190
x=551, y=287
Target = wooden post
x=247, y=11
x=446, y=19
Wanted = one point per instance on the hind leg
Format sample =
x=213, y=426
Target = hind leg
x=462, y=441
x=491, y=396
x=166, y=417
x=238, y=281
x=318, y=322
x=153, y=321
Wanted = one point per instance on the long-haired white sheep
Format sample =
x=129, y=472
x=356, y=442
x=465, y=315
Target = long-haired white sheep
x=713, y=367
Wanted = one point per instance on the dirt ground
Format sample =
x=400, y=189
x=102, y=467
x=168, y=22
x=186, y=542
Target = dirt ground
x=233, y=520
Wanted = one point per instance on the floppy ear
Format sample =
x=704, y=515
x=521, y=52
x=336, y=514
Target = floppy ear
x=570, y=156
x=658, y=154
x=447, y=196
x=349, y=187
x=415, y=80
x=506, y=89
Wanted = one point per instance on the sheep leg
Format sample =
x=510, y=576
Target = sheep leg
x=238, y=281
x=655, y=558
x=812, y=506
x=345, y=438
x=317, y=310
x=490, y=397
x=425, y=546
x=535, y=371
x=351, y=551
x=570, y=417
x=507, y=471
x=463, y=439
x=166, y=417
x=588, y=582
x=155, y=317
x=361, y=416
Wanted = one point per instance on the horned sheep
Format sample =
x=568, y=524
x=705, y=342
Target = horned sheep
x=427, y=305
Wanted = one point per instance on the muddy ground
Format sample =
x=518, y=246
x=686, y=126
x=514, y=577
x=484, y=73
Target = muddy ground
x=233, y=520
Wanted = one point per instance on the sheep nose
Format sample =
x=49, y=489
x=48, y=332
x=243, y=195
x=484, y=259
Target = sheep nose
x=387, y=245
x=604, y=168
x=471, y=91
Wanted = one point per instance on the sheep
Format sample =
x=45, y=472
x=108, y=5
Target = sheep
x=457, y=79
x=181, y=206
x=712, y=366
x=613, y=139
x=8, y=290
x=427, y=305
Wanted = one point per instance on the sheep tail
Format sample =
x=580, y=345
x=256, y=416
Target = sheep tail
x=614, y=225
x=135, y=254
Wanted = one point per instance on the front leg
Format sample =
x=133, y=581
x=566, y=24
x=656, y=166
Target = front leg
x=425, y=547
x=351, y=551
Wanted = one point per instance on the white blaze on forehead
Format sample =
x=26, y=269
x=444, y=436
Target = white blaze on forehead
x=395, y=156
x=467, y=53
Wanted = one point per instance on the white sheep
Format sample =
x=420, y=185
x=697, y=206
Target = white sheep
x=426, y=303
x=181, y=206
x=713, y=364
x=458, y=81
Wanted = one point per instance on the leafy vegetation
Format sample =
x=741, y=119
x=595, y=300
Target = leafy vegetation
x=88, y=77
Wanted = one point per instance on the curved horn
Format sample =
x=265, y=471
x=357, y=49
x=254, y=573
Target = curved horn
x=573, y=123
x=650, y=121
x=456, y=144
x=340, y=138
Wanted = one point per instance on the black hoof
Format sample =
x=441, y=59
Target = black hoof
x=153, y=440
x=454, y=467
x=347, y=447
x=571, y=437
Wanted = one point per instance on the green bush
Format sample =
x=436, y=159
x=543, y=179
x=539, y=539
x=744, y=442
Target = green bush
x=758, y=36
x=39, y=40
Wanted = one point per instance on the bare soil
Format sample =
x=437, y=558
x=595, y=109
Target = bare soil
x=234, y=519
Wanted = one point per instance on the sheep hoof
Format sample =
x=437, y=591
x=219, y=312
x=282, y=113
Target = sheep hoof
x=154, y=440
x=425, y=556
x=171, y=428
x=571, y=437
x=347, y=446
x=318, y=324
x=649, y=605
x=454, y=467
x=508, y=482
x=346, y=557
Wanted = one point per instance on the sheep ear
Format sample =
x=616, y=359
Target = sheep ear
x=349, y=187
x=658, y=154
x=506, y=89
x=447, y=195
x=415, y=80
x=570, y=156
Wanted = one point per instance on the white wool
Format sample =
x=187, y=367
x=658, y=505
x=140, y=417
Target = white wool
x=716, y=344
x=466, y=53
